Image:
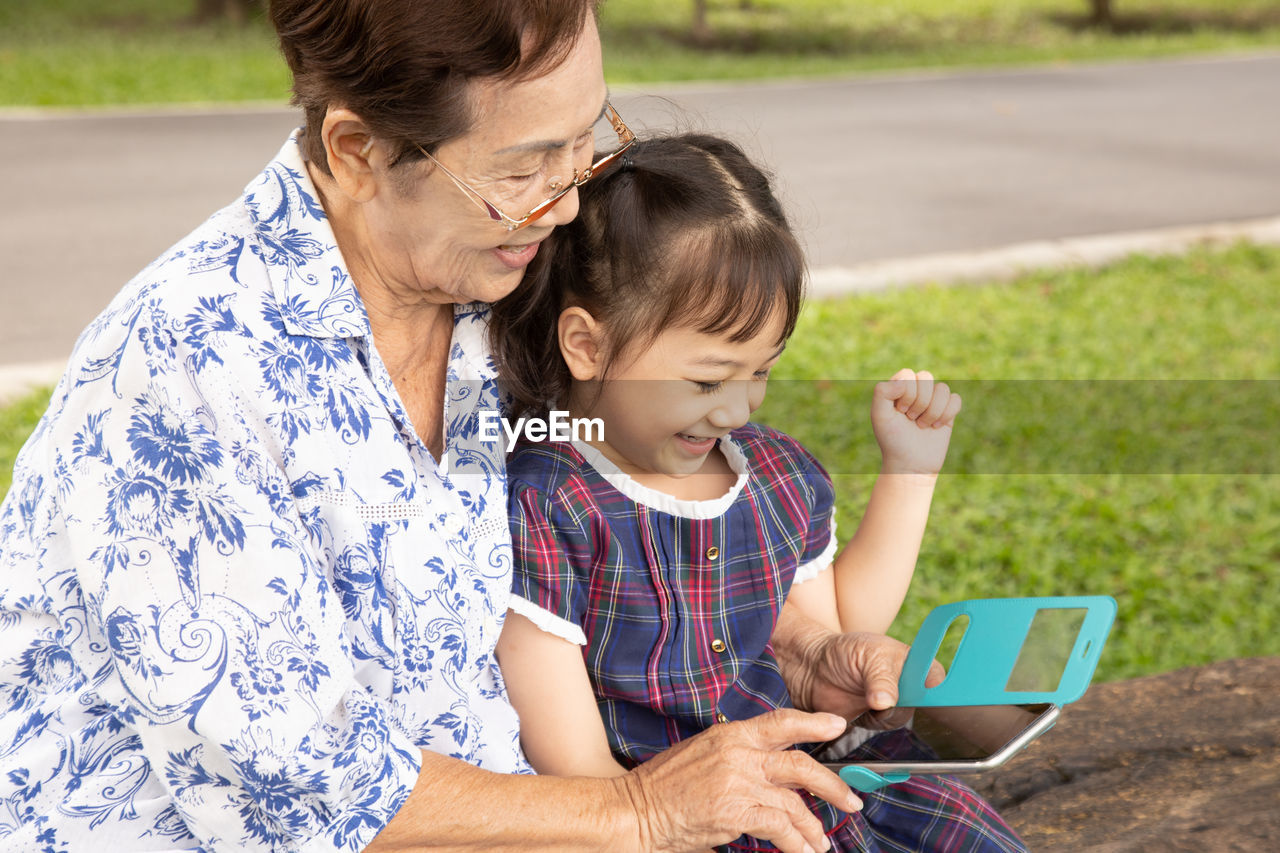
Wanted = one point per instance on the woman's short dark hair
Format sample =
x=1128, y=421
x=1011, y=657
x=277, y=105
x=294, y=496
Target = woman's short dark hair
x=403, y=65
x=686, y=233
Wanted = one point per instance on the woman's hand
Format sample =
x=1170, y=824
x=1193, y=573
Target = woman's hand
x=912, y=416
x=852, y=675
x=739, y=775
x=846, y=674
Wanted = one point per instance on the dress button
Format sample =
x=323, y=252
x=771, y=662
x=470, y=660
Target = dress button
x=718, y=646
x=713, y=552
x=721, y=718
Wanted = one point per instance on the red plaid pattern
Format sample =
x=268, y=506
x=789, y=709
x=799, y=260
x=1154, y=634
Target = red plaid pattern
x=678, y=613
x=654, y=607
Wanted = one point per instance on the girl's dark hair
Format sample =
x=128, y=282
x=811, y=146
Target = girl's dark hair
x=403, y=65
x=686, y=232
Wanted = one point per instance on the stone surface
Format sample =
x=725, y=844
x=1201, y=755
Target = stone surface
x=1187, y=760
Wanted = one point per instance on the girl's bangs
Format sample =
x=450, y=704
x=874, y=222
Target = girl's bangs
x=735, y=280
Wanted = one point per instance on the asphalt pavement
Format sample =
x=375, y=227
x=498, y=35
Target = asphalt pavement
x=873, y=169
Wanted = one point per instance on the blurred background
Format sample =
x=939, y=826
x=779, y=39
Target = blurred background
x=78, y=52
x=124, y=123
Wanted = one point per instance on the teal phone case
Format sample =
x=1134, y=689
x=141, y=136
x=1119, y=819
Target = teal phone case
x=985, y=670
x=865, y=781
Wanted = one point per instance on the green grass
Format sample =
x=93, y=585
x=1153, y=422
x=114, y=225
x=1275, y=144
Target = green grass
x=645, y=42
x=81, y=53
x=77, y=52
x=17, y=419
x=1191, y=558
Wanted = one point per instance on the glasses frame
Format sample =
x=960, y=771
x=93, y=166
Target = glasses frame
x=626, y=138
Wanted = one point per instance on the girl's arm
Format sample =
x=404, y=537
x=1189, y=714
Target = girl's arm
x=560, y=726
x=872, y=572
x=864, y=590
x=912, y=417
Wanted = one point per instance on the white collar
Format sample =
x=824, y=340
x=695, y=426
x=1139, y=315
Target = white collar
x=655, y=499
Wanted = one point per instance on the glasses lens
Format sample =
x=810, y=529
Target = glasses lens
x=607, y=147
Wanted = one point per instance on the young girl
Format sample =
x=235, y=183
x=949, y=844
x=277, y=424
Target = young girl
x=652, y=561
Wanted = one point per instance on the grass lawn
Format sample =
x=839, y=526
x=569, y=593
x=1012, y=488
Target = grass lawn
x=780, y=38
x=1191, y=557
x=16, y=422
x=77, y=52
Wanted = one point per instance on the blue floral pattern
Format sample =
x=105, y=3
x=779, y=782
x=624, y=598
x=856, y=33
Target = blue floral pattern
x=237, y=594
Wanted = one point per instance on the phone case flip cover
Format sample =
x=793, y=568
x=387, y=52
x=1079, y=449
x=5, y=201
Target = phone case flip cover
x=987, y=657
x=984, y=669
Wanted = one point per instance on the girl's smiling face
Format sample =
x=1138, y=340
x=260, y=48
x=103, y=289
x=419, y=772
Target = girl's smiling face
x=664, y=408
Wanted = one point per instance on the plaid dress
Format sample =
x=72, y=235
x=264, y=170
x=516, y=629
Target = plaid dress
x=675, y=602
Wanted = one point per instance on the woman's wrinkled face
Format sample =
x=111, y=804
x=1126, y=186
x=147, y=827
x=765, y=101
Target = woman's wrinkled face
x=431, y=236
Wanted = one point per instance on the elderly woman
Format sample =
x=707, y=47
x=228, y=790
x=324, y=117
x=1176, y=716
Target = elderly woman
x=252, y=568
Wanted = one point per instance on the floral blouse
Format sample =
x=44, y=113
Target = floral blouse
x=237, y=594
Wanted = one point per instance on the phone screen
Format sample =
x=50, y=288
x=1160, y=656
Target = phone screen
x=944, y=740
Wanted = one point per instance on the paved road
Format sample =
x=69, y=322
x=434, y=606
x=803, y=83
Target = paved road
x=871, y=169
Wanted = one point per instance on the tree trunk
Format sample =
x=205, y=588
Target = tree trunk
x=1101, y=16
x=232, y=11
x=1187, y=760
x=701, y=28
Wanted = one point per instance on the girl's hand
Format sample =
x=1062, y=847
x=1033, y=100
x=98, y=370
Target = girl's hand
x=912, y=416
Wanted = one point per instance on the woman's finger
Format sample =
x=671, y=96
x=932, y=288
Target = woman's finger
x=937, y=673
x=786, y=727
x=878, y=662
x=783, y=818
x=736, y=778
x=795, y=769
x=776, y=731
x=749, y=798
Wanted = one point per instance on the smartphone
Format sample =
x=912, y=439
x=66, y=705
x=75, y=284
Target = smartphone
x=946, y=740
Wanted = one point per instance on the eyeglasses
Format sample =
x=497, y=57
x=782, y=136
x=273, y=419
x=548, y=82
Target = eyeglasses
x=625, y=139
